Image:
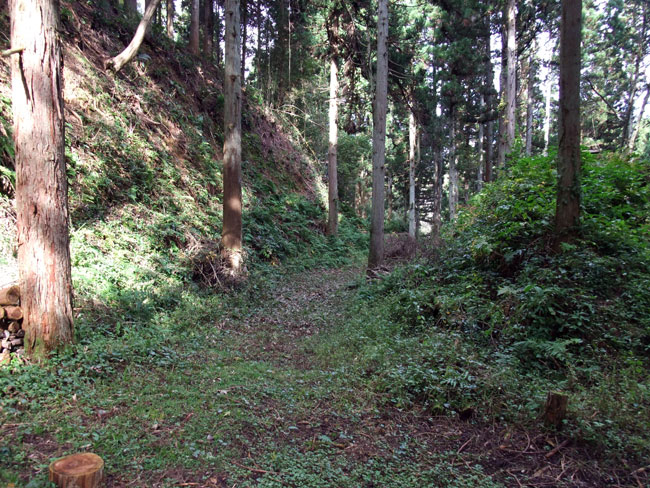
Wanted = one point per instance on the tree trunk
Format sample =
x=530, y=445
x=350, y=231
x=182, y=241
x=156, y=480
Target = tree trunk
x=132, y=6
x=194, y=27
x=453, y=172
x=530, y=102
x=170, y=18
x=258, y=54
x=244, y=13
x=413, y=136
x=41, y=184
x=232, y=194
x=436, y=209
x=118, y=62
x=376, y=255
x=629, y=109
x=489, y=99
x=332, y=222
x=547, y=113
x=503, y=128
x=217, y=34
x=208, y=32
x=567, y=213
x=635, y=134
x=511, y=76
x=479, y=142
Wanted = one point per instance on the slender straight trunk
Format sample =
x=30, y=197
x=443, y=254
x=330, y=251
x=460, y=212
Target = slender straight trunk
x=547, y=112
x=489, y=99
x=376, y=255
x=217, y=34
x=194, y=27
x=413, y=137
x=267, y=31
x=244, y=13
x=232, y=195
x=502, y=137
x=629, y=110
x=453, y=171
x=479, y=142
x=41, y=184
x=258, y=54
x=530, y=94
x=511, y=75
x=635, y=134
x=132, y=6
x=289, y=46
x=208, y=16
x=436, y=206
x=389, y=195
x=170, y=18
x=333, y=217
x=118, y=62
x=567, y=213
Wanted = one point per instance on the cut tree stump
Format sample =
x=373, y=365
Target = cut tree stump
x=14, y=313
x=83, y=470
x=555, y=408
x=10, y=295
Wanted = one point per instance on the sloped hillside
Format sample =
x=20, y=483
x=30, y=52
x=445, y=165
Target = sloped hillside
x=144, y=155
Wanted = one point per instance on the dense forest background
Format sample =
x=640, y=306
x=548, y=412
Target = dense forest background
x=431, y=369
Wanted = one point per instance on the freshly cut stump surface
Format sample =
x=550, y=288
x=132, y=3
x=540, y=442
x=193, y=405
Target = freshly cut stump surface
x=83, y=470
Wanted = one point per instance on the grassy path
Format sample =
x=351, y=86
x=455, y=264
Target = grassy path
x=251, y=395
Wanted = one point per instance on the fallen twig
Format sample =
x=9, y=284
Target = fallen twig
x=554, y=451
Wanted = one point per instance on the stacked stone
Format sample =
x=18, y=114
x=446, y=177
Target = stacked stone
x=11, y=316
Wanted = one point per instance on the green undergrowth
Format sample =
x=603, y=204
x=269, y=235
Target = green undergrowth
x=498, y=317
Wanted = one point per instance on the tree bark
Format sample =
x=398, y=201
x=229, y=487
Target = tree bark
x=132, y=6
x=555, y=409
x=41, y=184
x=333, y=217
x=376, y=255
x=232, y=193
x=489, y=99
x=217, y=34
x=436, y=209
x=194, y=27
x=453, y=172
x=208, y=30
x=530, y=94
x=413, y=136
x=637, y=128
x=547, y=113
x=503, y=126
x=567, y=213
x=244, y=13
x=118, y=62
x=511, y=76
x=170, y=18
x=479, y=142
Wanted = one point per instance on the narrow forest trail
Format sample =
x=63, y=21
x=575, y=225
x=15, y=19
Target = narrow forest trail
x=257, y=399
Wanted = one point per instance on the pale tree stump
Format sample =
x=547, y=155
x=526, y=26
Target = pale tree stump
x=555, y=408
x=83, y=470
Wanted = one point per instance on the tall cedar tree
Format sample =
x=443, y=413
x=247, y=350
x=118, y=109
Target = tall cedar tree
x=41, y=185
x=194, y=27
x=332, y=172
x=232, y=194
x=376, y=255
x=567, y=213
